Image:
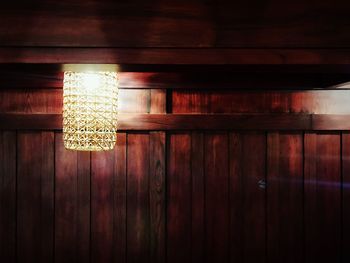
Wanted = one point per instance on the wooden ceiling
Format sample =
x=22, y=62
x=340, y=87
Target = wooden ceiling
x=215, y=32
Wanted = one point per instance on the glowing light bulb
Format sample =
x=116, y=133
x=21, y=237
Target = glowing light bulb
x=91, y=82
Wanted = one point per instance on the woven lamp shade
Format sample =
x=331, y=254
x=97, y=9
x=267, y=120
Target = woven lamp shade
x=90, y=101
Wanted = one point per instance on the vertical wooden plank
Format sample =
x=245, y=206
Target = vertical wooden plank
x=157, y=196
x=216, y=197
x=346, y=197
x=119, y=222
x=158, y=101
x=322, y=197
x=247, y=199
x=102, y=173
x=198, y=184
x=47, y=196
x=310, y=196
x=28, y=210
x=157, y=181
x=178, y=197
x=83, y=206
x=138, y=217
x=254, y=197
x=8, y=196
x=285, y=197
x=180, y=101
x=237, y=213
x=35, y=197
x=329, y=195
x=66, y=203
x=273, y=173
x=72, y=204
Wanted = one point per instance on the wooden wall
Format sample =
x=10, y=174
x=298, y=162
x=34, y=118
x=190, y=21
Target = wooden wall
x=178, y=196
x=204, y=188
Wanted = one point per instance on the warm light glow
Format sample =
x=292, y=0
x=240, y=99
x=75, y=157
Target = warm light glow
x=90, y=101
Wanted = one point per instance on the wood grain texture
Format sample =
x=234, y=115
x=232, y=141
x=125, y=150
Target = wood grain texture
x=158, y=101
x=248, y=200
x=66, y=207
x=216, y=197
x=120, y=197
x=138, y=200
x=35, y=100
x=285, y=197
x=179, y=187
x=157, y=193
x=255, y=101
x=102, y=202
x=146, y=122
x=198, y=197
x=32, y=100
x=8, y=193
x=153, y=24
x=255, y=198
x=175, y=56
x=35, y=202
x=158, y=182
x=178, y=198
x=83, y=206
x=72, y=204
x=291, y=24
x=236, y=191
x=345, y=197
x=322, y=188
x=191, y=24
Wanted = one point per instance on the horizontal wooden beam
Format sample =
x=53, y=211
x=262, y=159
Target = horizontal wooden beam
x=175, y=56
x=144, y=122
x=206, y=79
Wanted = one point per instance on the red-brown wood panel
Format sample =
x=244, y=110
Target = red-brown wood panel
x=322, y=189
x=198, y=196
x=31, y=100
x=83, y=206
x=216, y=167
x=182, y=23
x=285, y=197
x=8, y=196
x=237, y=215
x=43, y=100
x=138, y=199
x=248, y=199
x=289, y=24
x=35, y=202
x=157, y=184
x=254, y=164
x=72, y=204
x=228, y=101
x=65, y=202
x=119, y=237
x=106, y=23
x=157, y=196
x=179, y=198
x=158, y=101
x=346, y=197
x=102, y=202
